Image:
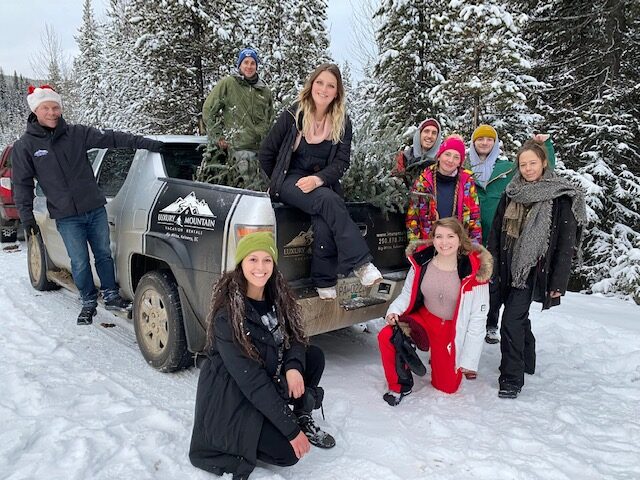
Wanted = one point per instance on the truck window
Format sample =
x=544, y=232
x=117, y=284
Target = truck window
x=182, y=160
x=114, y=169
x=92, y=155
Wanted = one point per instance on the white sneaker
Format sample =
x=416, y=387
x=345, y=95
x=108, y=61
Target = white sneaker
x=368, y=274
x=327, y=293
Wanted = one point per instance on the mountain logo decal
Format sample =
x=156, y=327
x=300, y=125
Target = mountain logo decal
x=188, y=212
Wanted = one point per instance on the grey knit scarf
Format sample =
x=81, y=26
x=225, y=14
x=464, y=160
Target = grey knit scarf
x=527, y=219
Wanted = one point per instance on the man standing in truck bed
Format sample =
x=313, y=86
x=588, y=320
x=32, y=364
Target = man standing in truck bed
x=239, y=111
x=55, y=154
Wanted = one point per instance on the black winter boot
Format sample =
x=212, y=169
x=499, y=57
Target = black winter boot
x=508, y=390
x=394, y=398
x=86, y=315
x=117, y=303
x=316, y=436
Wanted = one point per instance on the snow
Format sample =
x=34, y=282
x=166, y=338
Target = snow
x=80, y=402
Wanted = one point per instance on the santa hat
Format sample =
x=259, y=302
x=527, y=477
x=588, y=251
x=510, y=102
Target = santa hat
x=454, y=142
x=43, y=93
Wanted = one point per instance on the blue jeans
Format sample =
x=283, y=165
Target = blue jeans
x=76, y=231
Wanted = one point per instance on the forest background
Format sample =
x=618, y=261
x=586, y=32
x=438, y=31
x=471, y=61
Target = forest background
x=568, y=68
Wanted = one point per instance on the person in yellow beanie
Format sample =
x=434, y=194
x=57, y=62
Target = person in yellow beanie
x=492, y=173
x=258, y=362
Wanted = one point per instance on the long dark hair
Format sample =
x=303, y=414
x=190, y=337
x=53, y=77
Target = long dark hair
x=230, y=293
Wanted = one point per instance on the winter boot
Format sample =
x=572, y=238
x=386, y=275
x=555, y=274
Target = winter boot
x=117, y=303
x=86, y=315
x=394, y=398
x=508, y=390
x=492, y=335
x=316, y=436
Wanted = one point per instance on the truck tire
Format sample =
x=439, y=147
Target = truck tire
x=157, y=320
x=37, y=263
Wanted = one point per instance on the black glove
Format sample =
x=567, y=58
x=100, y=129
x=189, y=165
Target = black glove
x=31, y=228
x=161, y=148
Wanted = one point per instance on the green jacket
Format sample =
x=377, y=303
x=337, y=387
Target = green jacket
x=501, y=175
x=239, y=112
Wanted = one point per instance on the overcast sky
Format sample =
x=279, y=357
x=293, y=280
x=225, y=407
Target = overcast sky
x=22, y=23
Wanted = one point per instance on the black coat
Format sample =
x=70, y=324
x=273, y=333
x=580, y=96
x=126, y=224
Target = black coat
x=235, y=395
x=58, y=160
x=277, y=148
x=553, y=269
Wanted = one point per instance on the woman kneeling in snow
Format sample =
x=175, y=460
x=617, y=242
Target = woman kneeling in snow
x=443, y=307
x=258, y=362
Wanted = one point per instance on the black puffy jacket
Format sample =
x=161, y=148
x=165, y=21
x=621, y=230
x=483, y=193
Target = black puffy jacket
x=58, y=160
x=277, y=148
x=235, y=395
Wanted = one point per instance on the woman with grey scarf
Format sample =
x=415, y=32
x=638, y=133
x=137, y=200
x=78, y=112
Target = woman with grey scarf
x=535, y=234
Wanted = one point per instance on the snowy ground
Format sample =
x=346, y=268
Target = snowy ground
x=81, y=403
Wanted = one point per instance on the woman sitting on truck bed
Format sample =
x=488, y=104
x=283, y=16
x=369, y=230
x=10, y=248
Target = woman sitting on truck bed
x=258, y=362
x=305, y=154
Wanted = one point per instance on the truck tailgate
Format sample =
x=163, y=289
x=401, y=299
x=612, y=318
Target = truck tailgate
x=385, y=236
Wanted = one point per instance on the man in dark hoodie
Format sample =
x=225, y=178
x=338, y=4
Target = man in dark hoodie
x=239, y=111
x=55, y=154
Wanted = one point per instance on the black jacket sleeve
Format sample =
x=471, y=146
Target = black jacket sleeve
x=270, y=147
x=22, y=175
x=294, y=357
x=95, y=138
x=560, y=265
x=253, y=380
x=336, y=168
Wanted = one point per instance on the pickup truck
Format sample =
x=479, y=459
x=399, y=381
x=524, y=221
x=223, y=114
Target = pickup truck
x=172, y=237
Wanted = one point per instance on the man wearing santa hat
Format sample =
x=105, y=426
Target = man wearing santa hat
x=55, y=154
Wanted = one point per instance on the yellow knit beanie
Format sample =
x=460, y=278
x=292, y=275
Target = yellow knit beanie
x=484, y=131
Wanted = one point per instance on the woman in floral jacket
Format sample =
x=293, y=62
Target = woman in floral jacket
x=444, y=190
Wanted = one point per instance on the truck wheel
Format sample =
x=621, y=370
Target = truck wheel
x=157, y=319
x=37, y=262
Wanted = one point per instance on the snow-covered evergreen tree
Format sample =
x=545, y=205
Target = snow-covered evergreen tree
x=13, y=107
x=88, y=67
x=369, y=177
x=487, y=69
x=409, y=62
x=179, y=42
x=588, y=53
x=125, y=80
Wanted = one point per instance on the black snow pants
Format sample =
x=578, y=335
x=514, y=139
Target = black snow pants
x=517, y=343
x=273, y=446
x=495, y=302
x=338, y=246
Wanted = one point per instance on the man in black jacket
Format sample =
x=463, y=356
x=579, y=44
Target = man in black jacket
x=55, y=154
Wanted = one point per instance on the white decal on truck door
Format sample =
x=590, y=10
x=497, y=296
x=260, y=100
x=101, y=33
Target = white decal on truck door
x=187, y=217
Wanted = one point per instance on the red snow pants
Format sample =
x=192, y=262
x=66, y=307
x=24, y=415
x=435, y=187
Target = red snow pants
x=441, y=333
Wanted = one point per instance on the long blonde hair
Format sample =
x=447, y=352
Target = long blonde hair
x=337, y=111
